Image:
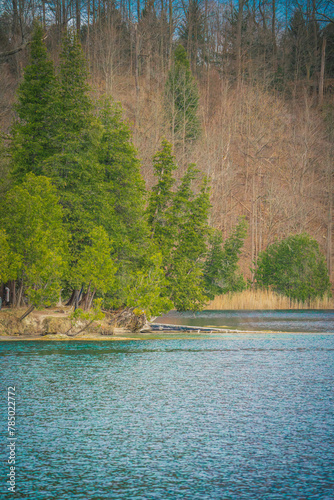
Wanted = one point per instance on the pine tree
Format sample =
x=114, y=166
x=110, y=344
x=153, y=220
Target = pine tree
x=159, y=208
x=77, y=126
x=123, y=181
x=181, y=100
x=221, y=267
x=213, y=265
x=124, y=207
x=96, y=268
x=33, y=132
x=179, y=225
x=190, y=224
x=74, y=167
x=5, y=167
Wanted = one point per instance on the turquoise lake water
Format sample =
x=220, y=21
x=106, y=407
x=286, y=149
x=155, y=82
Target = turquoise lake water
x=235, y=417
x=279, y=320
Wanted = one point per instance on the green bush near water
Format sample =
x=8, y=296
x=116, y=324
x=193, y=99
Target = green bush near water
x=294, y=267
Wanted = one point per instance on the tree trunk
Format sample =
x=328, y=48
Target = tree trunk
x=19, y=297
x=238, y=41
x=322, y=72
x=86, y=302
x=170, y=33
x=273, y=35
x=15, y=23
x=78, y=20
x=13, y=292
x=28, y=311
x=91, y=299
x=73, y=298
x=64, y=20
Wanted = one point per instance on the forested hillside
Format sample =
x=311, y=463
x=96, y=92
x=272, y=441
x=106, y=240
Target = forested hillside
x=249, y=98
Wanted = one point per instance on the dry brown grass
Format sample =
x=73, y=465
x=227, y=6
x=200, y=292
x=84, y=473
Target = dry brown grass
x=264, y=299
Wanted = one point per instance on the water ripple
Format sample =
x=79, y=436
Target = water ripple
x=240, y=417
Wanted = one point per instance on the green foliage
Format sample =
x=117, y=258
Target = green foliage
x=294, y=267
x=36, y=238
x=181, y=99
x=123, y=182
x=161, y=196
x=79, y=315
x=74, y=167
x=213, y=265
x=147, y=288
x=179, y=225
x=76, y=123
x=93, y=164
x=33, y=132
x=5, y=160
x=10, y=262
x=95, y=266
x=181, y=58
x=78, y=179
x=221, y=266
x=124, y=202
x=94, y=314
x=57, y=134
x=190, y=214
x=186, y=286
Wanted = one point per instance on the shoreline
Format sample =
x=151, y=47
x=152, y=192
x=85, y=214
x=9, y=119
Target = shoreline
x=162, y=335
x=54, y=325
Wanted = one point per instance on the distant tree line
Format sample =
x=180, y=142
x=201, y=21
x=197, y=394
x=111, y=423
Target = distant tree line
x=273, y=42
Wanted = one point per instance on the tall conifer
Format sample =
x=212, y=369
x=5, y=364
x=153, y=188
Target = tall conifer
x=124, y=202
x=181, y=100
x=74, y=167
x=179, y=226
x=33, y=132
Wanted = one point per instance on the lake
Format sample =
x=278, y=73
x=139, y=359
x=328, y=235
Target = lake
x=242, y=416
x=279, y=320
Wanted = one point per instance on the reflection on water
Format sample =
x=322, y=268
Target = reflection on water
x=239, y=417
x=279, y=321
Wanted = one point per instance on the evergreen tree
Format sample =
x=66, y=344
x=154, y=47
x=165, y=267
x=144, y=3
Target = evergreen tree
x=123, y=181
x=213, y=265
x=190, y=225
x=96, y=268
x=33, y=132
x=181, y=100
x=36, y=239
x=5, y=168
x=294, y=267
x=10, y=262
x=159, y=208
x=148, y=288
x=77, y=126
x=124, y=207
x=221, y=266
x=74, y=167
x=179, y=224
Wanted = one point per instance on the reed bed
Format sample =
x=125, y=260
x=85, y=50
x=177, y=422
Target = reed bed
x=265, y=299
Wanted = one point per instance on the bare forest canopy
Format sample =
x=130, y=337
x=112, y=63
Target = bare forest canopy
x=265, y=76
